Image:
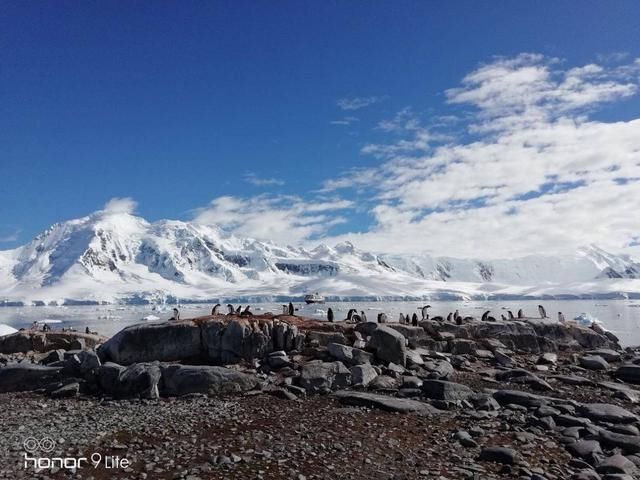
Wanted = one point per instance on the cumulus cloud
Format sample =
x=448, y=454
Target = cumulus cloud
x=281, y=219
x=537, y=173
x=356, y=103
x=253, y=179
x=120, y=205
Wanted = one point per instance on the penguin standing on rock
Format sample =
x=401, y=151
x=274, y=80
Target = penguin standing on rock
x=285, y=309
x=485, y=315
x=214, y=310
x=239, y=310
x=543, y=312
x=414, y=320
x=401, y=319
x=363, y=316
x=176, y=315
x=291, y=309
x=449, y=317
x=382, y=318
x=247, y=312
x=561, y=317
x=425, y=312
x=504, y=319
x=330, y=314
x=356, y=318
x=520, y=314
x=456, y=315
x=230, y=309
x=351, y=313
x=511, y=317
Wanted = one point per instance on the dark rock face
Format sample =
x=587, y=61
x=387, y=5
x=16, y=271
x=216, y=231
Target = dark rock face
x=27, y=376
x=604, y=412
x=321, y=377
x=388, y=345
x=505, y=455
x=629, y=373
x=180, y=380
x=139, y=380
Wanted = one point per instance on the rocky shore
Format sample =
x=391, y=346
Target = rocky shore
x=288, y=397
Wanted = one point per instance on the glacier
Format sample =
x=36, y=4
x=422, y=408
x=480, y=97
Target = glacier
x=111, y=257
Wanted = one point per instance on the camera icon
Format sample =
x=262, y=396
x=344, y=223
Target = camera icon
x=45, y=444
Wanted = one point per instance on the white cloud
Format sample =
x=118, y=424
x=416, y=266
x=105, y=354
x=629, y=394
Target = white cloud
x=253, y=179
x=538, y=175
x=356, y=103
x=345, y=121
x=120, y=205
x=282, y=219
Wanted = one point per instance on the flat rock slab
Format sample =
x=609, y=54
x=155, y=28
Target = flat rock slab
x=383, y=402
x=604, y=412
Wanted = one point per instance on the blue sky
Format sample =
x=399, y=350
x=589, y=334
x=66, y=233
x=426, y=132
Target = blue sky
x=246, y=104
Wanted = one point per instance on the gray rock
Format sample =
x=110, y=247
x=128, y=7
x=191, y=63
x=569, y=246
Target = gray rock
x=606, y=353
x=53, y=356
x=517, y=397
x=448, y=391
x=383, y=382
x=548, y=358
x=616, y=464
x=349, y=355
x=411, y=381
x=504, y=455
x=278, y=360
x=363, y=375
x=17, y=377
x=586, y=449
x=383, y=402
x=388, y=345
x=503, y=359
x=320, y=377
x=593, y=362
x=66, y=391
x=465, y=439
x=604, y=412
x=572, y=379
x=586, y=474
x=439, y=369
x=178, y=380
x=629, y=443
x=139, y=380
x=462, y=346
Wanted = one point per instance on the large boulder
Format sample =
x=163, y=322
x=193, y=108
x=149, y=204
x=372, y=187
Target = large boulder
x=148, y=342
x=388, y=345
x=629, y=373
x=349, y=355
x=139, y=380
x=363, y=375
x=180, y=380
x=16, y=377
x=448, y=391
x=605, y=412
x=320, y=377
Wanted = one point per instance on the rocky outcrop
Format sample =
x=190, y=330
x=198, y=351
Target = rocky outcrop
x=34, y=341
x=27, y=376
x=384, y=402
x=321, y=377
x=388, y=345
x=139, y=380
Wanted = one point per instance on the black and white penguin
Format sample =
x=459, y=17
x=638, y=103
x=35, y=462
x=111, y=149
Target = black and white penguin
x=485, y=315
x=356, y=318
x=363, y=316
x=543, y=312
x=382, y=318
x=401, y=319
x=285, y=309
x=425, y=312
x=520, y=314
x=414, y=320
x=330, y=314
x=291, y=309
x=456, y=315
x=511, y=316
x=350, y=313
x=449, y=317
x=504, y=319
x=247, y=312
x=176, y=315
x=239, y=310
x=561, y=317
x=214, y=310
x=230, y=310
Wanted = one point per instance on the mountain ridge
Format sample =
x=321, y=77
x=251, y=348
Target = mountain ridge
x=116, y=257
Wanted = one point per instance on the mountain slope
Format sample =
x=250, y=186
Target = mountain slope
x=120, y=257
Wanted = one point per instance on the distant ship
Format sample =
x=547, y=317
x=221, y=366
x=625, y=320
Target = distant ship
x=314, y=298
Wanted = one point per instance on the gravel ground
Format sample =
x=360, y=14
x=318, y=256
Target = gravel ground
x=255, y=437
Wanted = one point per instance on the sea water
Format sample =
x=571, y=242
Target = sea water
x=622, y=317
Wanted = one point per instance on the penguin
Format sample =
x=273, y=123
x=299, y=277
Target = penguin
x=330, y=314
x=291, y=309
x=176, y=315
x=401, y=319
x=491, y=319
x=350, y=314
x=449, y=317
x=437, y=318
x=511, y=317
x=214, y=310
x=363, y=316
x=543, y=312
x=382, y=318
x=520, y=314
x=504, y=319
x=239, y=310
x=230, y=311
x=485, y=315
x=247, y=312
x=425, y=312
x=86, y=330
x=414, y=320
x=285, y=309
x=561, y=317
x=356, y=318
x=456, y=315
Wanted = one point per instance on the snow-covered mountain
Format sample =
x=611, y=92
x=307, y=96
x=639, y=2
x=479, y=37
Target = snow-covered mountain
x=110, y=257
